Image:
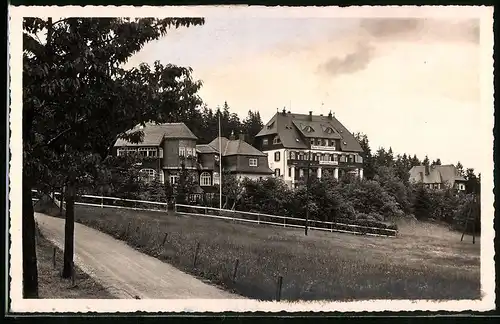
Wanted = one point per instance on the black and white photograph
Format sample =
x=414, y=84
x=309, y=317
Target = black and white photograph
x=250, y=158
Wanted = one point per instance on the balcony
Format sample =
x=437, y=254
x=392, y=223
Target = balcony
x=323, y=148
x=328, y=162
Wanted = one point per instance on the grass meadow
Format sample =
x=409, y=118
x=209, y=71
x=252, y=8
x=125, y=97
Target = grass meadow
x=425, y=261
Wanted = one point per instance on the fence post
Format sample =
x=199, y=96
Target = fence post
x=331, y=227
x=102, y=201
x=196, y=254
x=73, y=273
x=278, y=288
x=258, y=218
x=284, y=222
x=235, y=269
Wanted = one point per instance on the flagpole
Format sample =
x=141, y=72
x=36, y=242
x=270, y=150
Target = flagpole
x=220, y=165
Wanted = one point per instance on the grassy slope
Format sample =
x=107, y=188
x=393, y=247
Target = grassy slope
x=51, y=285
x=423, y=262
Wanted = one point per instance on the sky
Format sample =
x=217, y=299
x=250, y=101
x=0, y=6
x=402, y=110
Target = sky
x=408, y=83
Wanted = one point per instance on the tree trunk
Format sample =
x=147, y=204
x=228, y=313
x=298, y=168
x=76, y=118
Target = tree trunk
x=30, y=270
x=69, y=231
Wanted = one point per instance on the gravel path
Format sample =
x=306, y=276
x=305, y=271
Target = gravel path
x=127, y=273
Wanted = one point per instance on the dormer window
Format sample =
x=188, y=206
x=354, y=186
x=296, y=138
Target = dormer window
x=329, y=130
x=309, y=129
x=276, y=140
x=270, y=125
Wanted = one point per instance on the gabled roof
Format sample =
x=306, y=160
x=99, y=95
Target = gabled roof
x=291, y=128
x=437, y=174
x=206, y=148
x=235, y=147
x=155, y=133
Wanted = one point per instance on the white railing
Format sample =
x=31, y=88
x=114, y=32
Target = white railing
x=260, y=218
x=104, y=202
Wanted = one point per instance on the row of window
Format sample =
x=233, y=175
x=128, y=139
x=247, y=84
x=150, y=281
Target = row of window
x=323, y=142
x=187, y=151
x=277, y=172
x=205, y=177
x=276, y=140
x=314, y=141
x=351, y=158
x=143, y=151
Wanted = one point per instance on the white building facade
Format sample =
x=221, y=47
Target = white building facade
x=295, y=142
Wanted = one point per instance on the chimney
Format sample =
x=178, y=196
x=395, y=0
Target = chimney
x=330, y=115
x=232, y=136
x=242, y=136
x=310, y=115
x=284, y=111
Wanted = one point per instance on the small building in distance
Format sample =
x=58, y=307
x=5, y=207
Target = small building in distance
x=438, y=177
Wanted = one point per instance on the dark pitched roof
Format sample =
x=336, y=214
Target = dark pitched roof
x=292, y=127
x=235, y=147
x=206, y=148
x=155, y=133
x=437, y=174
x=244, y=168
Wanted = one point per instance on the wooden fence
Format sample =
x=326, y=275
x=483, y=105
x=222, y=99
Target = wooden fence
x=283, y=221
x=227, y=214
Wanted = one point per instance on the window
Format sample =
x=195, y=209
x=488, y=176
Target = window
x=324, y=142
x=174, y=179
x=252, y=162
x=276, y=140
x=276, y=156
x=121, y=152
x=301, y=156
x=148, y=174
x=265, y=141
x=161, y=152
x=301, y=173
x=289, y=172
x=313, y=141
x=292, y=155
x=327, y=157
x=317, y=157
x=188, y=151
x=216, y=178
x=342, y=158
x=182, y=151
x=329, y=130
x=147, y=151
x=331, y=143
x=143, y=151
x=277, y=172
x=318, y=141
x=205, y=179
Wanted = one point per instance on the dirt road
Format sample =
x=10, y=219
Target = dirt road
x=126, y=272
